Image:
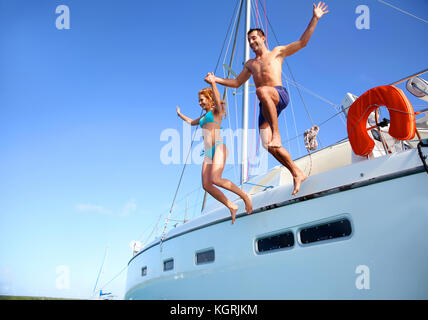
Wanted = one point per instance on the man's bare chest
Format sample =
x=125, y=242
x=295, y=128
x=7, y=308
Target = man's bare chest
x=265, y=65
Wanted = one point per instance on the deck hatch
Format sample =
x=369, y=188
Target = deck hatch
x=144, y=271
x=168, y=265
x=275, y=242
x=326, y=231
x=205, y=256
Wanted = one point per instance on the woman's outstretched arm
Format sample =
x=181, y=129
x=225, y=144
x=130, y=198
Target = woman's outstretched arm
x=190, y=121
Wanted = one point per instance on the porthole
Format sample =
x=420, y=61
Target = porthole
x=144, y=271
x=168, y=265
x=275, y=242
x=326, y=231
x=205, y=256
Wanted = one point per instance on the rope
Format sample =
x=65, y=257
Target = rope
x=231, y=137
x=338, y=113
x=185, y=164
x=264, y=28
x=227, y=33
x=99, y=272
x=298, y=86
x=301, y=97
x=237, y=20
x=291, y=73
x=311, y=143
x=266, y=33
x=335, y=106
x=229, y=71
x=144, y=241
x=405, y=12
x=255, y=15
x=310, y=135
x=155, y=228
x=225, y=96
x=179, y=182
x=294, y=119
x=310, y=163
x=259, y=185
x=257, y=11
x=114, y=278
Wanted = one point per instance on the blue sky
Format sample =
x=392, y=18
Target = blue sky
x=82, y=111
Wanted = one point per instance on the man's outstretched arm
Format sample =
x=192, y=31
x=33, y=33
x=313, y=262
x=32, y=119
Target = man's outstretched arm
x=235, y=83
x=292, y=48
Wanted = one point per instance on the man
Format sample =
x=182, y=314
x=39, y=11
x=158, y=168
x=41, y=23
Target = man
x=266, y=69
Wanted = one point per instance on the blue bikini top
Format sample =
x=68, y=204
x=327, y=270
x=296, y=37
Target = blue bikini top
x=208, y=118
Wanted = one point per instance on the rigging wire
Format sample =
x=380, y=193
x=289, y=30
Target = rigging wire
x=257, y=12
x=266, y=33
x=292, y=75
x=179, y=182
x=185, y=164
x=359, y=120
x=231, y=137
x=294, y=119
x=255, y=135
x=255, y=16
x=227, y=33
x=101, y=269
x=115, y=277
x=235, y=26
x=288, y=80
x=229, y=72
x=335, y=106
x=227, y=75
x=405, y=12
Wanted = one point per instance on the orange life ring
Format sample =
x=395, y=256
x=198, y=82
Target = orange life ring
x=402, y=117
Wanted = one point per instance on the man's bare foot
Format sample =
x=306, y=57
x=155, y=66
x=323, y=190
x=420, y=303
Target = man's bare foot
x=248, y=203
x=298, y=181
x=233, y=209
x=275, y=142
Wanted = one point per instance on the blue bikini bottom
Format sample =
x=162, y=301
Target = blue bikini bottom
x=211, y=151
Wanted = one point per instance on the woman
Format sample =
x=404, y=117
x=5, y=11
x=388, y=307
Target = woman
x=215, y=150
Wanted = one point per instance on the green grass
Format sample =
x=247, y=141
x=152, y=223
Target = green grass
x=29, y=298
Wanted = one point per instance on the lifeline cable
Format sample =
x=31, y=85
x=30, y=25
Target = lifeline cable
x=291, y=73
x=423, y=143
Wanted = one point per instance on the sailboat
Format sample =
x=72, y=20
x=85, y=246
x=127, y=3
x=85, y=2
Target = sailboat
x=356, y=230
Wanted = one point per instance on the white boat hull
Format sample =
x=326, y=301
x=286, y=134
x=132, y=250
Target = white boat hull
x=384, y=257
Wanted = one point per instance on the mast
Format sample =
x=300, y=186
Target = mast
x=244, y=151
x=229, y=68
x=245, y=96
x=101, y=269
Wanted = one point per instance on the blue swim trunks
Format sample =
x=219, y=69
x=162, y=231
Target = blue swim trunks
x=283, y=102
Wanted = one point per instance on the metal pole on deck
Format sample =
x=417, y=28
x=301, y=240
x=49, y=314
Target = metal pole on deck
x=244, y=151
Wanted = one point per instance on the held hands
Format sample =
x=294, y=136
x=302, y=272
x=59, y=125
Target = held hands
x=210, y=78
x=320, y=10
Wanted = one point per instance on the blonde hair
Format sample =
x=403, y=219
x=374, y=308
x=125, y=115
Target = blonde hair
x=209, y=94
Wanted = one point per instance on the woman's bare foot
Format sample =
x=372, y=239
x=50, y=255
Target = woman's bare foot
x=298, y=179
x=233, y=209
x=248, y=203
